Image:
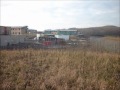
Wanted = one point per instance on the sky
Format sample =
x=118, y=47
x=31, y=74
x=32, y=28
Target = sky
x=51, y=14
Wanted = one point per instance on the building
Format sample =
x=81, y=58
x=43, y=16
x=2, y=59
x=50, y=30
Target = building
x=19, y=30
x=39, y=34
x=12, y=35
x=61, y=33
x=7, y=40
x=5, y=30
x=51, y=32
x=65, y=37
x=48, y=41
x=67, y=32
x=32, y=32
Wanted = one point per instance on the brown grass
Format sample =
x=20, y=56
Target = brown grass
x=112, y=38
x=59, y=70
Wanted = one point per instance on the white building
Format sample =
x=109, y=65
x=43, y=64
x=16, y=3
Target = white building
x=66, y=37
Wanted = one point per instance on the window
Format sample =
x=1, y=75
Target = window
x=19, y=33
x=13, y=32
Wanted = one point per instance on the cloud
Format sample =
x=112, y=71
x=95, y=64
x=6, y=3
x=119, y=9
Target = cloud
x=59, y=14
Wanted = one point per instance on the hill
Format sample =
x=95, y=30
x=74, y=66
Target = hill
x=100, y=31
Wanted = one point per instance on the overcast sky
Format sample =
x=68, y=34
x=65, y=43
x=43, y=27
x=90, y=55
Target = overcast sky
x=43, y=15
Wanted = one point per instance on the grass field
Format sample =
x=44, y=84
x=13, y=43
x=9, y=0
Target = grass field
x=59, y=70
x=107, y=43
x=112, y=38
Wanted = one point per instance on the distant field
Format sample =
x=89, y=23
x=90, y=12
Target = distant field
x=59, y=70
x=113, y=38
x=108, y=43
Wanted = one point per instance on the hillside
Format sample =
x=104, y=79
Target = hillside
x=101, y=31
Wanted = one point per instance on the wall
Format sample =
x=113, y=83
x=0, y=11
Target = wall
x=11, y=39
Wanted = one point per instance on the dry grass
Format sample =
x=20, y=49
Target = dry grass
x=112, y=38
x=59, y=70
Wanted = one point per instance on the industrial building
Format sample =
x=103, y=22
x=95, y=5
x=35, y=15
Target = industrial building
x=47, y=41
x=22, y=36
x=12, y=35
x=61, y=33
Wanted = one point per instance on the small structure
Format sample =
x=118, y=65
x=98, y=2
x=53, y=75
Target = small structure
x=48, y=41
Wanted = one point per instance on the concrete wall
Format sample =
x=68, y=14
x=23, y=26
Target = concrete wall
x=11, y=39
